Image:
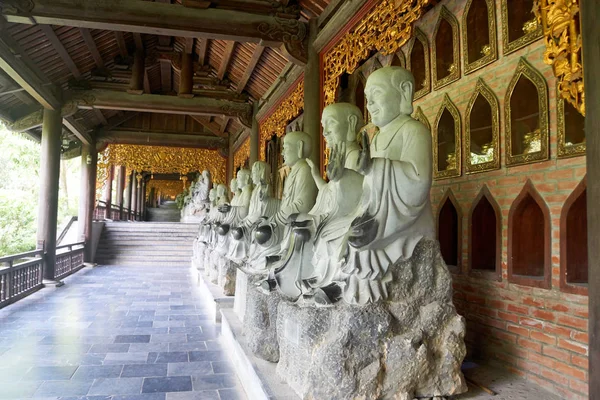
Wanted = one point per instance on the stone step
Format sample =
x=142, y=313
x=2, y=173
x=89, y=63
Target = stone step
x=149, y=236
x=124, y=257
x=147, y=253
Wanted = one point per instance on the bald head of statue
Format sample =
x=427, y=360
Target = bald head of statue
x=389, y=93
x=341, y=123
x=296, y=146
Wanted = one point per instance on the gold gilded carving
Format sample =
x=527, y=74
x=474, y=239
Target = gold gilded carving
x=560, y=25
x=286, y=111
x=426, y=84
x=453, y=158
x=242, y=154
x=526, y=70
x=489, y=51
x=386, y=28
x=489, y=155
x=566, y=148
x=532, y=32
x=454, y=69
x=419, y=116
x=166, y=188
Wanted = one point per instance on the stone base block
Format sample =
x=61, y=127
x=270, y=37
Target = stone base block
x=214, y=297
x=241, y=289
x=227, y=274
x=260, y=323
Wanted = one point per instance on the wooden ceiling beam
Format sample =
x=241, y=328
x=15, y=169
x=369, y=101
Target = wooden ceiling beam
x=167, y=19
x=224, y=124
x=100, y=116
x=60, y=49
x=119, y=120
x=229, y=47
x=158, y=138
x=189, y=45
x=91, y=45
x=78, y=130
x=256, y=54
x=121, y=44
x=9, y=85
x=202, y=51
x=211, y=126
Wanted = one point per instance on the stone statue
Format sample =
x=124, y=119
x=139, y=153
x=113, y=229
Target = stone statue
x=395, y=211
x=299, y=195
x=314, y=271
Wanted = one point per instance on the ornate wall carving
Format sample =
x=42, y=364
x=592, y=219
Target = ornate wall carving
x=165, y=187
x=565, y=149
x=242, y=154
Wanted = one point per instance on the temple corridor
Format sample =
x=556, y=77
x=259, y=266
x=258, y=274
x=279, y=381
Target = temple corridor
x=122, y=331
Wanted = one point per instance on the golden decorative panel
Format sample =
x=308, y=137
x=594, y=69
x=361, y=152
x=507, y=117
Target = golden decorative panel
x=560, y=26
x=453, y=159
x=426, y=84
x=489, y=52
x=419, y=116
x=454, y=69
x=489, y=157
x=275, y=123
x=567, y=147
x=386, y=28
x=242, y=154
x=524, y=69
x=165, y=187
x=532, y=31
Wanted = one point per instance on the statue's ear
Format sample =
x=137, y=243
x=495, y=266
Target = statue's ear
x=352, y=122
x=300, y=149
x=406, y=88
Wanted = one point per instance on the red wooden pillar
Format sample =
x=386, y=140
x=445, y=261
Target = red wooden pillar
x=87, y=197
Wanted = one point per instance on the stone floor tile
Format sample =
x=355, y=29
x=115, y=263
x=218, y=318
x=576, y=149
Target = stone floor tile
x=149, y=347
x=126, y=358
x=222, y=367
x=203, y=395
x=112, y=386
x=91, y=372
x=194, y=346
x=144, y=370
x=213, y=382
x=110, y=348
x=231, y=394
x=52, y=373
x=167, y=384
x=207, y=355
x=166, y=338
x=19, y=391
x=190, y=368
x=63, y=388
x=132, y=339
x=172, y=357
x=145, y=396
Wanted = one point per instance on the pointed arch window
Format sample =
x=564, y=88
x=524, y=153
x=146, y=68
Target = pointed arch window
x=571, y=134
x=398, y=60
x=485, y=237
x=446, y=141
x=420, y=116
x=573, y=242
x=482, y=130
x=519, y=24
x=480, y=47
x=526, y=116
x=445, y=56
x=449, y=227
x=418, y=63
x=529, y=239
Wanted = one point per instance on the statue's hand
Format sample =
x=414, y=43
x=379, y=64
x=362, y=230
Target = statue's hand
x=364, y=158
x=337, y=161
x=313, y=167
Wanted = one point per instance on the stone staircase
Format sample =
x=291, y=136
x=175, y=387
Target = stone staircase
x=167, y=212
x=160, y=244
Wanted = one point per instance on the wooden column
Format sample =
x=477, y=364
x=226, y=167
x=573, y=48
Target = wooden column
x=312, y=94
x=186, y=75
x=48, y=200
x=108, y=191
x=137, y=73
x=128, y=194
x=143, y=200
x=134, y=196
x=254, y=135
x=230, y=171
x=120, y=189
x=590, y=15
x=87, y=196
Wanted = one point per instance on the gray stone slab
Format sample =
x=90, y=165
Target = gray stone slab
x=190, y=368
x=91, y=372
x=144, y=370
x=167, y=384
x=112, y=386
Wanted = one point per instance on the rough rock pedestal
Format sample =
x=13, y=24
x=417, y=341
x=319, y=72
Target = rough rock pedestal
x=411, y=345
x=260, y=322
x=227, y=273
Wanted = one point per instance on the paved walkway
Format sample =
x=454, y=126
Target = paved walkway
x=115, y=333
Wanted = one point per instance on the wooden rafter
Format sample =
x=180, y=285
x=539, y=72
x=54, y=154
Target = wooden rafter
x=91, y=45
x=258, y=51
x=158, y=138
x=211, y=126
x=10, y=86
x=78, y=130
x=100, y=116
x=119, y=120
x=229, y=47
x=224, y=124
x=60, y=49
x=189, y=45
x=121, y=43
x=202, y=51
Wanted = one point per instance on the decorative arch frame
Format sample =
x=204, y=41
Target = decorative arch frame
x=420, y=116
x=490, y=55
x=397, y=55
x=545, y=282
x=484, y=90
x=563, y=150
x=421, y=37
x=451, y=107
x=528, y=71
x=454, y=74
x=495, y=275
x=534, y=33
x=565, y=286
x=449, y=195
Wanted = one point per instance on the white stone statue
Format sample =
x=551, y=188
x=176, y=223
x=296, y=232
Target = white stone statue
x=395, y=211
x=299, y=195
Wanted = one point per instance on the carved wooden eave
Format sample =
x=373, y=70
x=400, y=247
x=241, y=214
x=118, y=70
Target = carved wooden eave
x=156, y=138
x=165, y=19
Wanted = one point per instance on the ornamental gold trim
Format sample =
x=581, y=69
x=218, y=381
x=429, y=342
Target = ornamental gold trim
x=526, y=70
x=165, y=187
x=490, y=52
x=484, y=90
x=447, y=104
x=242, y=154
x=420, y=36
x=386, y=28
x=454, y=70
x=286, y=111
x=560, y=21
x=564, y=150
x=420, y=116
x=533, y=31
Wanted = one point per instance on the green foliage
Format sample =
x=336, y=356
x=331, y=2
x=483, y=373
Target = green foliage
x=180, y=199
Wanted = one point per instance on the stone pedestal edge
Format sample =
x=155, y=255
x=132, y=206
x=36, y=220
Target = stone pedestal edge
x=213, y=295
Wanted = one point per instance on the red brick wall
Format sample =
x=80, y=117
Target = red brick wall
x=540, y=334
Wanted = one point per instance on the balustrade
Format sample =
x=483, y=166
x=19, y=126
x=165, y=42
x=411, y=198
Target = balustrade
x=20, y=275
x=69, y=259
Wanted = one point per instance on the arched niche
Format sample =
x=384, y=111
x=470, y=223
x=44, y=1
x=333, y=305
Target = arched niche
x=526, y=116
x=482, y=130
x=449, y=228
x=445, y=58
x=485, y=237
x=418, y=63
x=571, y=135
x=480, y=47
x=420, y=116
x=519, y=24
x=529, y=240
x=446, y=141
x=573, y=242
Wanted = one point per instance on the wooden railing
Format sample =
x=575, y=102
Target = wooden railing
x=20, y=275
x=100, y=213
x=69, y=259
